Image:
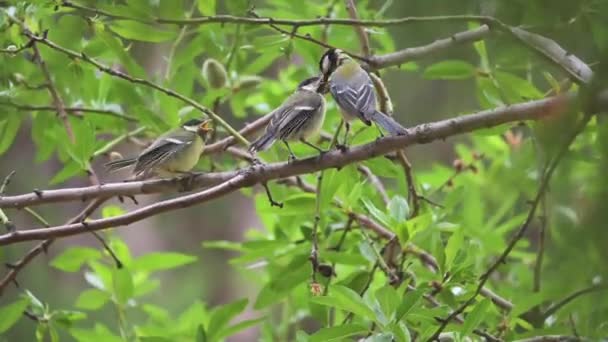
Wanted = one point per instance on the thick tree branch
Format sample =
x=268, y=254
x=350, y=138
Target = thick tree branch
x=420, y=134
x=402, y=56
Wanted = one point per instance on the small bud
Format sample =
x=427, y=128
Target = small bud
x=114, y=156
x=473, y=168
x=11, y=48
x=246, y=83
x=458, y=165
x=325, y=270
x=214, y=74
x=450, y=183
x=477, y=156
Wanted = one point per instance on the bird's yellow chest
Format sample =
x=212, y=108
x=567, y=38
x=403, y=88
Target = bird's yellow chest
x=185, y=160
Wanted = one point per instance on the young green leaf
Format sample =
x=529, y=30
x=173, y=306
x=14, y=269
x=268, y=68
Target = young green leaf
x=453, y=246
x=343, y=298
x=475, y=317
x=91, y=299
x=71, y=259
x=222, y=315
x=338, y=333
x=161, y=261
x=11, y=313
x=122, y=283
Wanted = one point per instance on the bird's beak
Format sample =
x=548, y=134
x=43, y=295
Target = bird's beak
x=205, y=126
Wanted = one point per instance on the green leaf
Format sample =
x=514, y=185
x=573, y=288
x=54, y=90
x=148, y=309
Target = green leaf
x=408, y=302
x=11, y=313
x=381, y=337
x=69, y=170
x=398, y=208
x=233, y=329
x=71, y=259
x=453, y=246
x=67, y=317
x=201, y=336
x=376, y=213
x=343, y=298
x=91, y=299
x=449, y=70
x=221, y=316
x=388, y=299
x=122, y=283
x=338, y=333
x=206, y=7
x=137, y=31
x=161, y=261
x=475, y=317
x=8, y=131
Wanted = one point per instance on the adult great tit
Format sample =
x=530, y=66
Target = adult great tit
x=173, y=153
x=300, y=116
x=353, y=91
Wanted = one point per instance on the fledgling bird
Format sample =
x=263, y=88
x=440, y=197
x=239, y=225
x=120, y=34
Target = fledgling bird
x=353, y=91
x=299, y=117
x=173, y=153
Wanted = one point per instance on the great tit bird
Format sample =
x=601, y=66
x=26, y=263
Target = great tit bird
x=300, y=116
x=353, y=91
x=173, y=153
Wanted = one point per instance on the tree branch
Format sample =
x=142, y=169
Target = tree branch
x=421, y=134
x=360, y=30
x=231, y=19
x=402, y=56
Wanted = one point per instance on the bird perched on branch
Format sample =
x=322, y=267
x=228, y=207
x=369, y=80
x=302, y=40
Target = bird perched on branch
x=299, y=117
x=173, y=153
x=353, y=91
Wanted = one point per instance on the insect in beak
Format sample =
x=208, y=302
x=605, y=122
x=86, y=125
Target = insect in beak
x=205, y=127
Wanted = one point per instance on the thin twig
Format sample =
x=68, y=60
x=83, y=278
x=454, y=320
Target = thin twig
x=57, y=100
x=74, y=111
x=351, y=8
x=555, y=307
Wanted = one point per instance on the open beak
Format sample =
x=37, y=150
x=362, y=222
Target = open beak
x=205, y=126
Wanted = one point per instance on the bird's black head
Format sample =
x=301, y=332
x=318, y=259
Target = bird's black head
x=329, y=61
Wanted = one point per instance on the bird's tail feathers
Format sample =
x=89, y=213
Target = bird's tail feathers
x=120, y=164
x=263, y=143
x=389, y=124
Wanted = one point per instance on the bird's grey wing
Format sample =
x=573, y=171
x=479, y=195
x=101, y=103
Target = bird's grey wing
x=161, y=150
x=356, y=95
x=302, y=110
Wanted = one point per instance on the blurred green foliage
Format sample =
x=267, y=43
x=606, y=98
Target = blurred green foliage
x=483, y=197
